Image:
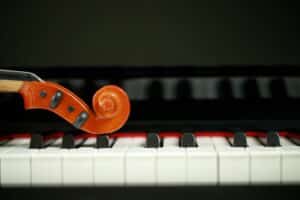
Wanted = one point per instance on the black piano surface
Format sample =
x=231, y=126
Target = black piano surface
x=149, y=193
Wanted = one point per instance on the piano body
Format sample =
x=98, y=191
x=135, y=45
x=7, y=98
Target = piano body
x=190, y=127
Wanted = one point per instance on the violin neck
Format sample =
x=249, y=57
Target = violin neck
x=10, y=85
x=12, y=80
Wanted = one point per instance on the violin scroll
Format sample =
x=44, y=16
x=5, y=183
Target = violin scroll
x=107, y=102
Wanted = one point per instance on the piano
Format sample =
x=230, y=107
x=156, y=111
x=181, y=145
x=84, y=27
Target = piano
x=190, y=127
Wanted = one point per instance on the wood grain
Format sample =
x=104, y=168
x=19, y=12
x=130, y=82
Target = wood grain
x=10, y=85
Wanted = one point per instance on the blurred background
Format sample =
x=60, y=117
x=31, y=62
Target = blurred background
x=145, y=32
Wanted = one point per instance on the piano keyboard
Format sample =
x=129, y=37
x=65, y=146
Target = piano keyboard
x=155, y=160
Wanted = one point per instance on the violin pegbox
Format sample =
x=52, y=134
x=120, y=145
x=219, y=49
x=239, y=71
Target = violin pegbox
x=111, y=106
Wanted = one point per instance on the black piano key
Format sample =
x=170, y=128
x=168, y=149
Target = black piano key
x=251, y=89
x=102, y=141
x=155, y=90
x=183, y=90
x=224, y=89
x=278, y=89
x=153, y=140
x=117, y=82
x=89, y=87
x=68, y=141
x=273, y=139
x=188, y=140
x=72, y=140
x=239, y=139
x=38, y=140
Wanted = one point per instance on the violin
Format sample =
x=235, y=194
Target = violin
x=111, y=105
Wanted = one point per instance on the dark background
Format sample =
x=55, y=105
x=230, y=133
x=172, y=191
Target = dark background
x=145, y=32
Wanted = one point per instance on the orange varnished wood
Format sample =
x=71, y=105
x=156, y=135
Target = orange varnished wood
x=111, y=106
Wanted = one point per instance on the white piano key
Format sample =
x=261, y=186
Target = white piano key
x=140, y=164
x=16, y=167
x=3, y=149
x=286, y=142
x=78, y=166
x=204, y=141
x=202, y=163
x=290, y=160
x=109, y=166
x=205, y=88
x=137, y=142
x=17, y=143
x=220, y=142
x=136, y=88
x=233, y=162
x=46, y=165
x=122, y=142
x=57, y=143
x=109, y=163
x=295, y=140
x=46, y=169
x=170, y=142
x=171, y=163
x=90, y=142
x=265, y=165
